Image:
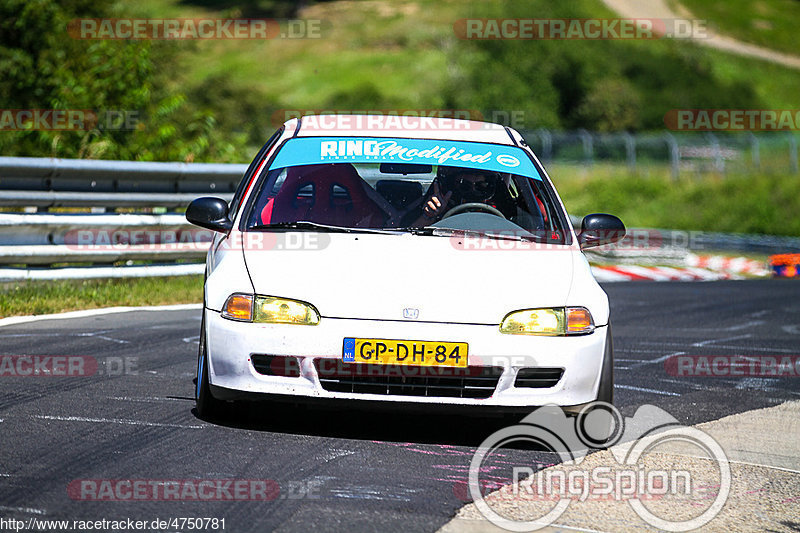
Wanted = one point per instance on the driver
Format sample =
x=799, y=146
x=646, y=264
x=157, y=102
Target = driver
x=456, y=186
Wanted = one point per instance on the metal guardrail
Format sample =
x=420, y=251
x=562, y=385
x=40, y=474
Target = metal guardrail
x=42, y=182
x=49, y=238
x=32, y=242
x=692, y=153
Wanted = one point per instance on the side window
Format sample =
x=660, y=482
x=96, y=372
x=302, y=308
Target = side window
x=236, y=201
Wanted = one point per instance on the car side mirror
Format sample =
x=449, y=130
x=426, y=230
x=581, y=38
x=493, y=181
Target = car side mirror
x=598, y=229
x=209, y=213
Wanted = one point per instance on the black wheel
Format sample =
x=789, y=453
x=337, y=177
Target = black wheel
x=605, y=392
x=600, y=424
x=208, y=407
x=473, y=206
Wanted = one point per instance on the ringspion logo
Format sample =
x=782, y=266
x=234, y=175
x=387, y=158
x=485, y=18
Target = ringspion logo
x=633, y=474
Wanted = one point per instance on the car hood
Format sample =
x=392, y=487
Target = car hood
x=369, y=276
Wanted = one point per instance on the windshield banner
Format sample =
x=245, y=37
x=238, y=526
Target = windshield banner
x=316, y=150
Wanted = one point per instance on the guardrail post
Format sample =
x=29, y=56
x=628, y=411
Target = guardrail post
x=588, y=147
x=547, y=145
x=719, y=162
x=630, y=150
x=674, y=155
x=755, y=150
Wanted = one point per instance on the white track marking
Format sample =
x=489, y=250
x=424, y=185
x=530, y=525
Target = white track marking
x=28, y=510
x=634, y=350
x=114, y=421
x=727, y=347
x=712, y=341
x=148, y=399
x=686, y=383
x=658, y=359
x=756, y=383
x=642, y=389
x=94, y=312
x=12, y=335
x=98, y=335
x=735, y=327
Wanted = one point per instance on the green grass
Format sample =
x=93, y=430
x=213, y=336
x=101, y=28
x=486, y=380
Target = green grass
x=406, y=52
x=768, y=23
x=394, y=46
x=44, y=297
x=650, y=198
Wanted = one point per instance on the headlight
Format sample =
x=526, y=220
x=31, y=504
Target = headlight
x=283, y=311
x=269, y=309
x=548, y=321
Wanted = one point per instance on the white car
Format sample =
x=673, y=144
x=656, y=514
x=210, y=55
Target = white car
x=394, y=260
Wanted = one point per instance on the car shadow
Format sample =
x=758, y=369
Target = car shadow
x=353, y=420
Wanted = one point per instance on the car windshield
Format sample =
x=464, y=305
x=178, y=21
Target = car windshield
x=319, y=184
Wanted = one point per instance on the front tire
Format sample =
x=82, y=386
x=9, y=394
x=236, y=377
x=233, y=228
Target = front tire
x=605, y=391
x=208, y=407
x=602, y=431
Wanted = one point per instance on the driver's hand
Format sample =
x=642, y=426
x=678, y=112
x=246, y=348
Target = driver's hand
x=435, y=206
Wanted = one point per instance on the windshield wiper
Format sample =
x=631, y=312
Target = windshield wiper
x=450, y=232
x=305, y=225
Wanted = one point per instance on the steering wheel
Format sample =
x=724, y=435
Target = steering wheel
x=473, y=206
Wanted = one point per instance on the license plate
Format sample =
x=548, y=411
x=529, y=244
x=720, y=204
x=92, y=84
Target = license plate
x=401, y=352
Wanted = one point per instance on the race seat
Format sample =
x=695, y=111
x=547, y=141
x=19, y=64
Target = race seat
x=332, y=194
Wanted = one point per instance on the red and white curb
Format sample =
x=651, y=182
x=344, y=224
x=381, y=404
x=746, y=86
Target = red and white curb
x=698, y=268
x=734, y=265
x=646, y=273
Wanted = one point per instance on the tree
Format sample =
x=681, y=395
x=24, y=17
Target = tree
x=46, y=68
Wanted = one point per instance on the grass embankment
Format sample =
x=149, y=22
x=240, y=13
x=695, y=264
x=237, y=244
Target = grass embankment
x=44, y=297
x=768, y=23
x=734, y=203
x=404, y=55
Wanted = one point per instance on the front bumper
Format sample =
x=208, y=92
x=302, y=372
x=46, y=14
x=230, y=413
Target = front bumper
x=232, y=374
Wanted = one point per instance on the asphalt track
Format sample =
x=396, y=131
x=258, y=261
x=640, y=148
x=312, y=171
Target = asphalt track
x=342, y=470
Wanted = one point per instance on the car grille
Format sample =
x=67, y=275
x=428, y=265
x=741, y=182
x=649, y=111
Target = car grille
x=276, y=365
x=471, y=382
x=538, y=378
